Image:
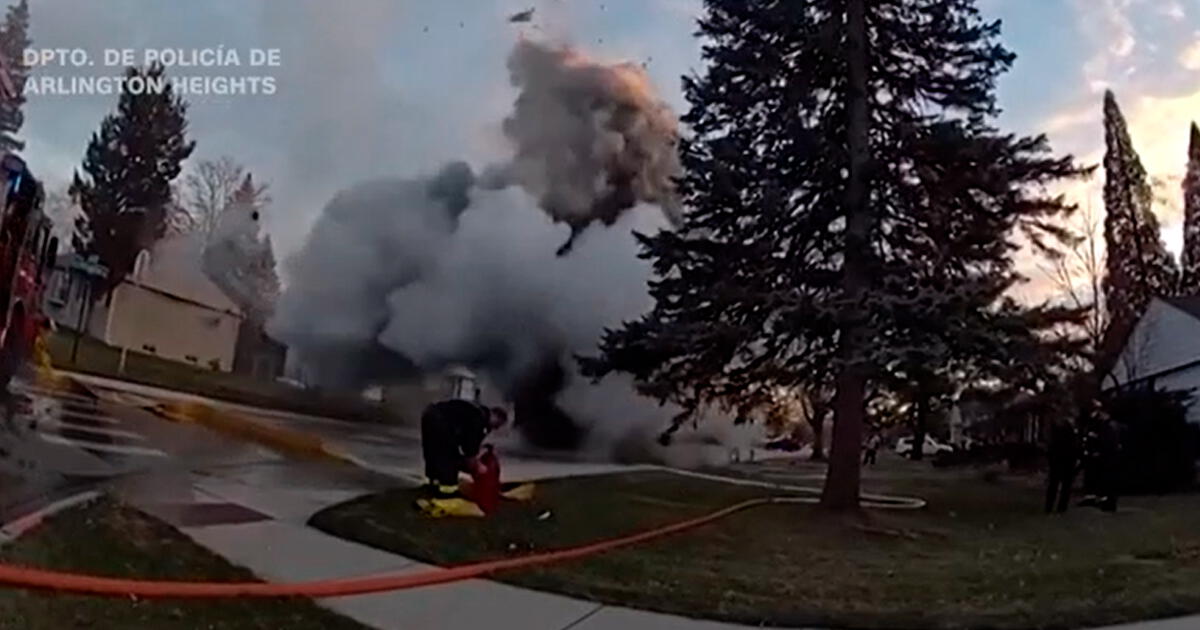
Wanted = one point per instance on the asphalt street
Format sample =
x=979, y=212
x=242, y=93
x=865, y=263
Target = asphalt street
x=57, y=441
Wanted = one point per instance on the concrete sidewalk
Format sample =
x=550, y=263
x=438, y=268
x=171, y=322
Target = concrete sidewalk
x=282, y=548
x=287, y=551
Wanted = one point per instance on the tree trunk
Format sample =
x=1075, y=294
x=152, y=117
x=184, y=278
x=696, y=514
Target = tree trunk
x=844, y=477
x=817, y=422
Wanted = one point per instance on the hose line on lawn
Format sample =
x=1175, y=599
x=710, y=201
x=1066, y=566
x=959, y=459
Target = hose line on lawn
x=62, y=582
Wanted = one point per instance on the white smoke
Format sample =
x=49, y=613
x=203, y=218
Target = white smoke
x=237, y=259
x=423, y=273
x=497, y=284
x=369, y=241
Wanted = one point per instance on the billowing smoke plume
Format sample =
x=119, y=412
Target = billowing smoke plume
x=371, y=241
x=591, y=140
x=239, y=259
x=407, y=275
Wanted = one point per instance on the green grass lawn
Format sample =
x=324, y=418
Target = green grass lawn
x=980, y=556
x=97, y=358
x=108, y=539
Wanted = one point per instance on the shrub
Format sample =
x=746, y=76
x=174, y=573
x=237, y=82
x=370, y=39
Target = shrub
x=1158, y=445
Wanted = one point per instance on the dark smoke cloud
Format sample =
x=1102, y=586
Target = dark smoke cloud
x=591, y=140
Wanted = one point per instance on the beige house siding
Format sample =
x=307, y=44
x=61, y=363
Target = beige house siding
x=167, y=307
x=146, y=320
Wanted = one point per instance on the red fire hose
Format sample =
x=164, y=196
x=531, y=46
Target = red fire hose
x=38, y=579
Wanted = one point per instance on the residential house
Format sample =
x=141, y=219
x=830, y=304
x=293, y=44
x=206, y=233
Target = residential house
x=1163, y=350
x=256, y=354
x=167, y=307
x=987, y=414
x=68, y=289
x=409, y=398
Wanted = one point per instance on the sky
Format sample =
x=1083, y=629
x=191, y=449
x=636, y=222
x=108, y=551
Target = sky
x=397, y=87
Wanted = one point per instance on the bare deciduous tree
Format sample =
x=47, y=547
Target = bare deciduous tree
x=211, y=186
x=1079, y=274
x=179, y=218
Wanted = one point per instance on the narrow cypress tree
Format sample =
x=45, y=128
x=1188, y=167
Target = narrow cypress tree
x=1138, y=265
x=1190, y=260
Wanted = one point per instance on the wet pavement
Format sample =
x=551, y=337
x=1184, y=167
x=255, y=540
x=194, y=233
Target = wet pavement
x=60, y=440
x=395, y=450
x=57, y=442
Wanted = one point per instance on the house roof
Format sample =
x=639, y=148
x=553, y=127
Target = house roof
x=1150, y=359
x=1116, y=340
x=174, y=268
x=1189, y=304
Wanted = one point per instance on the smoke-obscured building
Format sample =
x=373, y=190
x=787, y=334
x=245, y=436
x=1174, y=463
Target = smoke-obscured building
x=409, y=398
x=257, y=355
x=167, y=307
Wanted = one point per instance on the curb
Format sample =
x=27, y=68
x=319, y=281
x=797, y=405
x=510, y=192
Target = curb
x=55, y=381
x=20, y=526
x=297, y=443
x=289, y=441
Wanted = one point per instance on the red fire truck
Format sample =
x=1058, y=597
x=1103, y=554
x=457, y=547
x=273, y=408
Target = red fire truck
x=27, y=254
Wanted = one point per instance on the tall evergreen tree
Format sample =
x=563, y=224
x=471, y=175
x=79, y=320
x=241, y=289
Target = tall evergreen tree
x=847, y=201
x=1139, y=266
x=125, y=189
x=1190, y=260
x=14, y=39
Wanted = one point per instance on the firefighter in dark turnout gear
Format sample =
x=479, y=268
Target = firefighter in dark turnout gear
x=451, y=434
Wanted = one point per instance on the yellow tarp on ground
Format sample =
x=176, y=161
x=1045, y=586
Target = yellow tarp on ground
x=441, y=508
x=523, y=493
x=458, y=506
